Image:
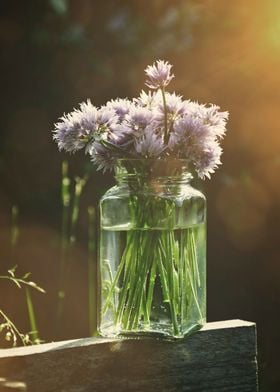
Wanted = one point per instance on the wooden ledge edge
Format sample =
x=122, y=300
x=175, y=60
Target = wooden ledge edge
x=236, y=323
x=76, y=343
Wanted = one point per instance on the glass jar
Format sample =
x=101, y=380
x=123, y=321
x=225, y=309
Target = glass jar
x=152, y=251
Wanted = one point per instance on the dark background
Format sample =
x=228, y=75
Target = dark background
x=57, y=53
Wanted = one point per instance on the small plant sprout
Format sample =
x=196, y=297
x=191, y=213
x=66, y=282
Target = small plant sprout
x=7, y=326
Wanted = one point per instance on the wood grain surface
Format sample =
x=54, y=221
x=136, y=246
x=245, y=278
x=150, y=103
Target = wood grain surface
x=221, y=357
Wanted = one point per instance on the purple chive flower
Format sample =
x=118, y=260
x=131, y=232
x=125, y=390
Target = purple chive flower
x=78, y=128
x=75, y=129
x=158, y=75
x=215, y=119
x=210, y=115
x=207, y=160
x=187, y=131
x=175, y=108
x=121, y=107
x=150, y=126
x=102, y=157
x=117, y=133
x=106, y=119
x=149, y=145
x=88, y=115
x=149, y=100
x=193, y=140
x=138, y=119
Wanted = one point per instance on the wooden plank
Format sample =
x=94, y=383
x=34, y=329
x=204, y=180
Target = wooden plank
x=220, y=357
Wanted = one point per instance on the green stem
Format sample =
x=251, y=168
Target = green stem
x=165, y=115
x=19, y=281
x=155, y=262
x=129, y=275
x=145, y=310
x=117, y=276
x=163, y=274
x=91, y=272
x=13, y=327
x=32, y=317
x=194, y=254
x=65, y=200
x=173, y=278
x=134, y=294
x=110, y=273
x=14, y=227
x=189, y=270
x=170, y=282
x=182, y=283
x=152, y=280
x=79, y=186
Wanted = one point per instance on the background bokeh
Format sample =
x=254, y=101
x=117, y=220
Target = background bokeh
x=57, y=53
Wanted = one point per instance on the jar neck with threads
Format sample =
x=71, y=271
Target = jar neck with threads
x=156, y=175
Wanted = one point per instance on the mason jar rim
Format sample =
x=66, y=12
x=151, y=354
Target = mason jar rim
x=155, y=163
x=179, y=169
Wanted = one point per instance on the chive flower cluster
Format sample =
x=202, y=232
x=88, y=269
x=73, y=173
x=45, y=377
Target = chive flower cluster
x=157, y=125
